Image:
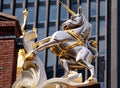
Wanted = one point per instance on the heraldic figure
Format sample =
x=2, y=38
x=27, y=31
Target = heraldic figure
x=72, y=45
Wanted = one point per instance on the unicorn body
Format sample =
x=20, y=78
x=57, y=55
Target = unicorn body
x=70, y=45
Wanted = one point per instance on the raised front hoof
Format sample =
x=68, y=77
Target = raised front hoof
x=30, y=56
x=91, y=79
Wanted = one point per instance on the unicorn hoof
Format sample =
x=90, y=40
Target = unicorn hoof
x=91, y=79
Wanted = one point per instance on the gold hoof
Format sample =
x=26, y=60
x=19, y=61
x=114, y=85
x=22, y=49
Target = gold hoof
x=91, y=79
x=30, y=56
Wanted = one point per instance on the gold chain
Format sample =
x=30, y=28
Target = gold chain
x=79, y=39
x=77, y=36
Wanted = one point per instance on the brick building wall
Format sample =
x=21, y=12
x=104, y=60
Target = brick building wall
x=9, y=32
x=8, y=60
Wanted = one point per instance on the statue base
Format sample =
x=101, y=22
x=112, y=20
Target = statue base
x=90, y=85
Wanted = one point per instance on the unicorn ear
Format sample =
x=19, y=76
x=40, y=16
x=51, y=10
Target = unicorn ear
x=80, y=10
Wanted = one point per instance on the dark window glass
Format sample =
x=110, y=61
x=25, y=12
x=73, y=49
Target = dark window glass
x=74, y=7
x=8, y=11
x=7, y=1
x=93, y=32
x=101, y=69
x=102, y=28
x=63, y=14
x=42, y=14
x=53, y=12
x=50, y=58
x=19, y=1
x=101, y=47
x=93, y=9
x=41, y=33
x=41, y=55
x=31, y=1
x=42, y=0
x=84, y=8
x=102, y=8
x=19, y=14
x=30, y=18
x=52, y=29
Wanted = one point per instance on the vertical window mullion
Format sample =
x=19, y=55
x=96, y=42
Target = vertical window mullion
x=35, y=25
x=79, y=2
x=25, y=4
x=108, y=43
x=97, y=37
x=106, y=27
x=46, y=30
x=13, y=7
x=68, y=4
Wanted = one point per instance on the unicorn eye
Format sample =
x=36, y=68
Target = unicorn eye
x=72, y=17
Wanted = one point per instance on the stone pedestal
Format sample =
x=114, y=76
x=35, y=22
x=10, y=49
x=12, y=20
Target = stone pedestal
x=9, y=31
x=91, y=85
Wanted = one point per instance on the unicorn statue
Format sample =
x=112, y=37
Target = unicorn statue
x=72, y=45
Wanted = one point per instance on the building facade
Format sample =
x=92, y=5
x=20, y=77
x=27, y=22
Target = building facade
x=48, y=15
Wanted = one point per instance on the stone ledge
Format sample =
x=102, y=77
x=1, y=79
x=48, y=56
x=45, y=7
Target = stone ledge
x=90, y=85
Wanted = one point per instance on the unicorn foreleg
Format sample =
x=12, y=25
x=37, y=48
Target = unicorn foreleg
x=47, y=39
x=46, y=45
x=43, y=46
x=64, y=63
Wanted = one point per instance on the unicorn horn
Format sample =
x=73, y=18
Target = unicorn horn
x=68, y=9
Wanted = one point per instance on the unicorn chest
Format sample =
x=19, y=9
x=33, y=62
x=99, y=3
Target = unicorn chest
x=63, y=48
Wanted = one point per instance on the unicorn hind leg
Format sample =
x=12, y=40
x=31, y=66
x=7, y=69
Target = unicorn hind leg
x=83, y=57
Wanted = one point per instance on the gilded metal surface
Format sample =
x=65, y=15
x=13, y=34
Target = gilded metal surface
x=77, y=36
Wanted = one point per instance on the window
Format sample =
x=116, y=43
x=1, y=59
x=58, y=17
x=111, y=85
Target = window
x=84, y=8
x=18, y=13
x=63, y=13
x=42, y=14
x=102, y=28
x=53, y=12
x=30, y=18
x=102, y=8
x=93, y=9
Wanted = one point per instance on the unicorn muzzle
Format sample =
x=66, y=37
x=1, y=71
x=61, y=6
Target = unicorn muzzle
x=65, y=26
